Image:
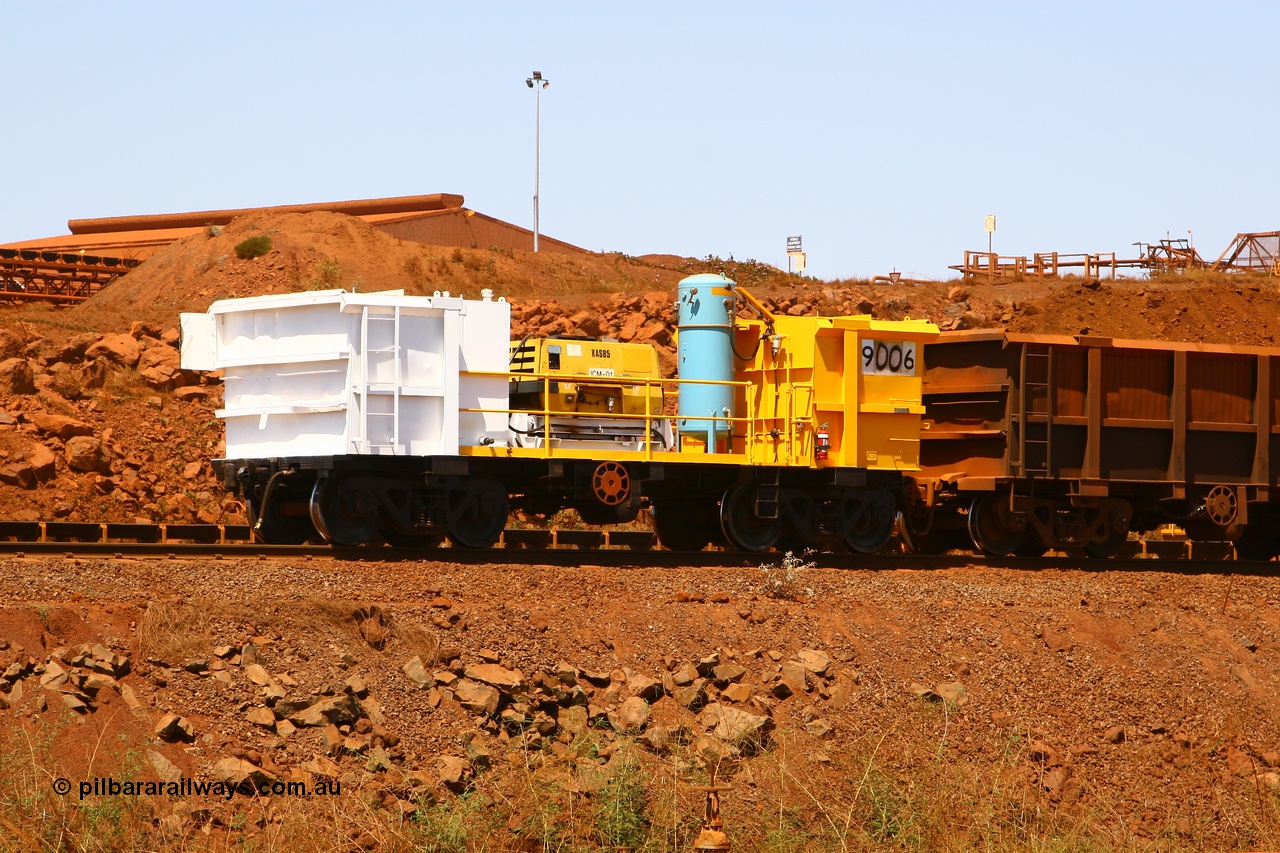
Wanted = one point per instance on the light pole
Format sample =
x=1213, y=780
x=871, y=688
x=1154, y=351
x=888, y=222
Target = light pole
x=537, y=83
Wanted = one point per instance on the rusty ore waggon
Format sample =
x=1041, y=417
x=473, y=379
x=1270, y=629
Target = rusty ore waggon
x=1038, y=442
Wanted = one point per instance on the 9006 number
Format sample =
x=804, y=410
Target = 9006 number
x=896, y=358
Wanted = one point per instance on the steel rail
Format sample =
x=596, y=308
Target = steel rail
x=616, y=557
x=557, y=547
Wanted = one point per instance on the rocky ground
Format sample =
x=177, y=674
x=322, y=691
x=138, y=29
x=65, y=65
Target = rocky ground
x=500, y=707
x=847, y=710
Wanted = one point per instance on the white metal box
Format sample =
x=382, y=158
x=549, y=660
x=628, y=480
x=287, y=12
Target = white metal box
x=326, y=373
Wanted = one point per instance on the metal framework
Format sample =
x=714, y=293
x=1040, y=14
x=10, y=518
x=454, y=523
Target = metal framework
x=1249, y=252
x=1170, y=255
x=58, y=277
x=1041, y=265
x=1258, y=251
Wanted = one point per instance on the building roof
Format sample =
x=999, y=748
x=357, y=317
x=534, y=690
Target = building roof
x=427, y=219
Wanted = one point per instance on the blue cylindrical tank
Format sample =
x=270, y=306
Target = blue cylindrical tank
x=704, y=349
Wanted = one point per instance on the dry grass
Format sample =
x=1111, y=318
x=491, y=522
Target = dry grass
x=368, y=625
x=126, y=382
x=1225, y=279
x=173, y=632
x=900, y=789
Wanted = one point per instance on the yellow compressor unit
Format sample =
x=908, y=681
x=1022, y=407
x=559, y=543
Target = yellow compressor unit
x=585, y=391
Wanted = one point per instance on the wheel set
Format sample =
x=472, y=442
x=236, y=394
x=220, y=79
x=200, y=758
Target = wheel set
x=354, y=510
x=862, y=521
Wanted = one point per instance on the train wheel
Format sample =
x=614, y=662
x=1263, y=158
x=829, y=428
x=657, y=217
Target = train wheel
x=1103, y=549
x=274, y=524
x=345, y=511
x=873, y=526
x=684, y=525
x=742, y=527
x=989, y=529
x=483, y=516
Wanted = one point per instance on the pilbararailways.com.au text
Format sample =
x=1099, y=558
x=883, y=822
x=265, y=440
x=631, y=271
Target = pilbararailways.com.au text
x=188, y=787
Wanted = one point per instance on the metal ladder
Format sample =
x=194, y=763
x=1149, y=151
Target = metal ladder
x=1037, y=374
x=366, y=320
x=767, y=493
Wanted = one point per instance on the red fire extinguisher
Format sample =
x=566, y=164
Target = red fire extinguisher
x=822, y=444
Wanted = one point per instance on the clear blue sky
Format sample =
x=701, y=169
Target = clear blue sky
x=881, y=132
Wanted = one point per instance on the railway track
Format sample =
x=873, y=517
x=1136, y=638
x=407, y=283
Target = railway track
x=565, y=547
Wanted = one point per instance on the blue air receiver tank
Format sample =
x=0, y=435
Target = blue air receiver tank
x=704, y=347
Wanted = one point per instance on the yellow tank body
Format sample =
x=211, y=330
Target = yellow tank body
x=582, y=374
x=855, y=378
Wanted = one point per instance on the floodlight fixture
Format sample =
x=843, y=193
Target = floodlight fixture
x=537, y=143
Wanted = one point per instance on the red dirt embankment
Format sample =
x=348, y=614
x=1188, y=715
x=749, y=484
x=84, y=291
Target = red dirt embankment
x=871, y=710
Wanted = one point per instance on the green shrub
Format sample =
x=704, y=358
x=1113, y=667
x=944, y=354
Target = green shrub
x=325, y=275
x=621, y=807
x=253, y=247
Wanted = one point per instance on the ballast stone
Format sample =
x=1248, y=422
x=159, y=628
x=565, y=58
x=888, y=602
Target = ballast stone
x=16, y=377
x=495, y=675
x=814, y=661
x=59, y=426
x=338, y=710
x=794, y=677
x=477, y=698
x=734, y=725
x=237, y=771
x=173, y=728
x=84, y=454
x=417, y=673
x=631, y=716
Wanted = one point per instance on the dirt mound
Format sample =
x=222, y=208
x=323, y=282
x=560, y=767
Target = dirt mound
x=310, y=251
x=316, y=251
x=106, y=427
x=1228, y=311
x=328, y=250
